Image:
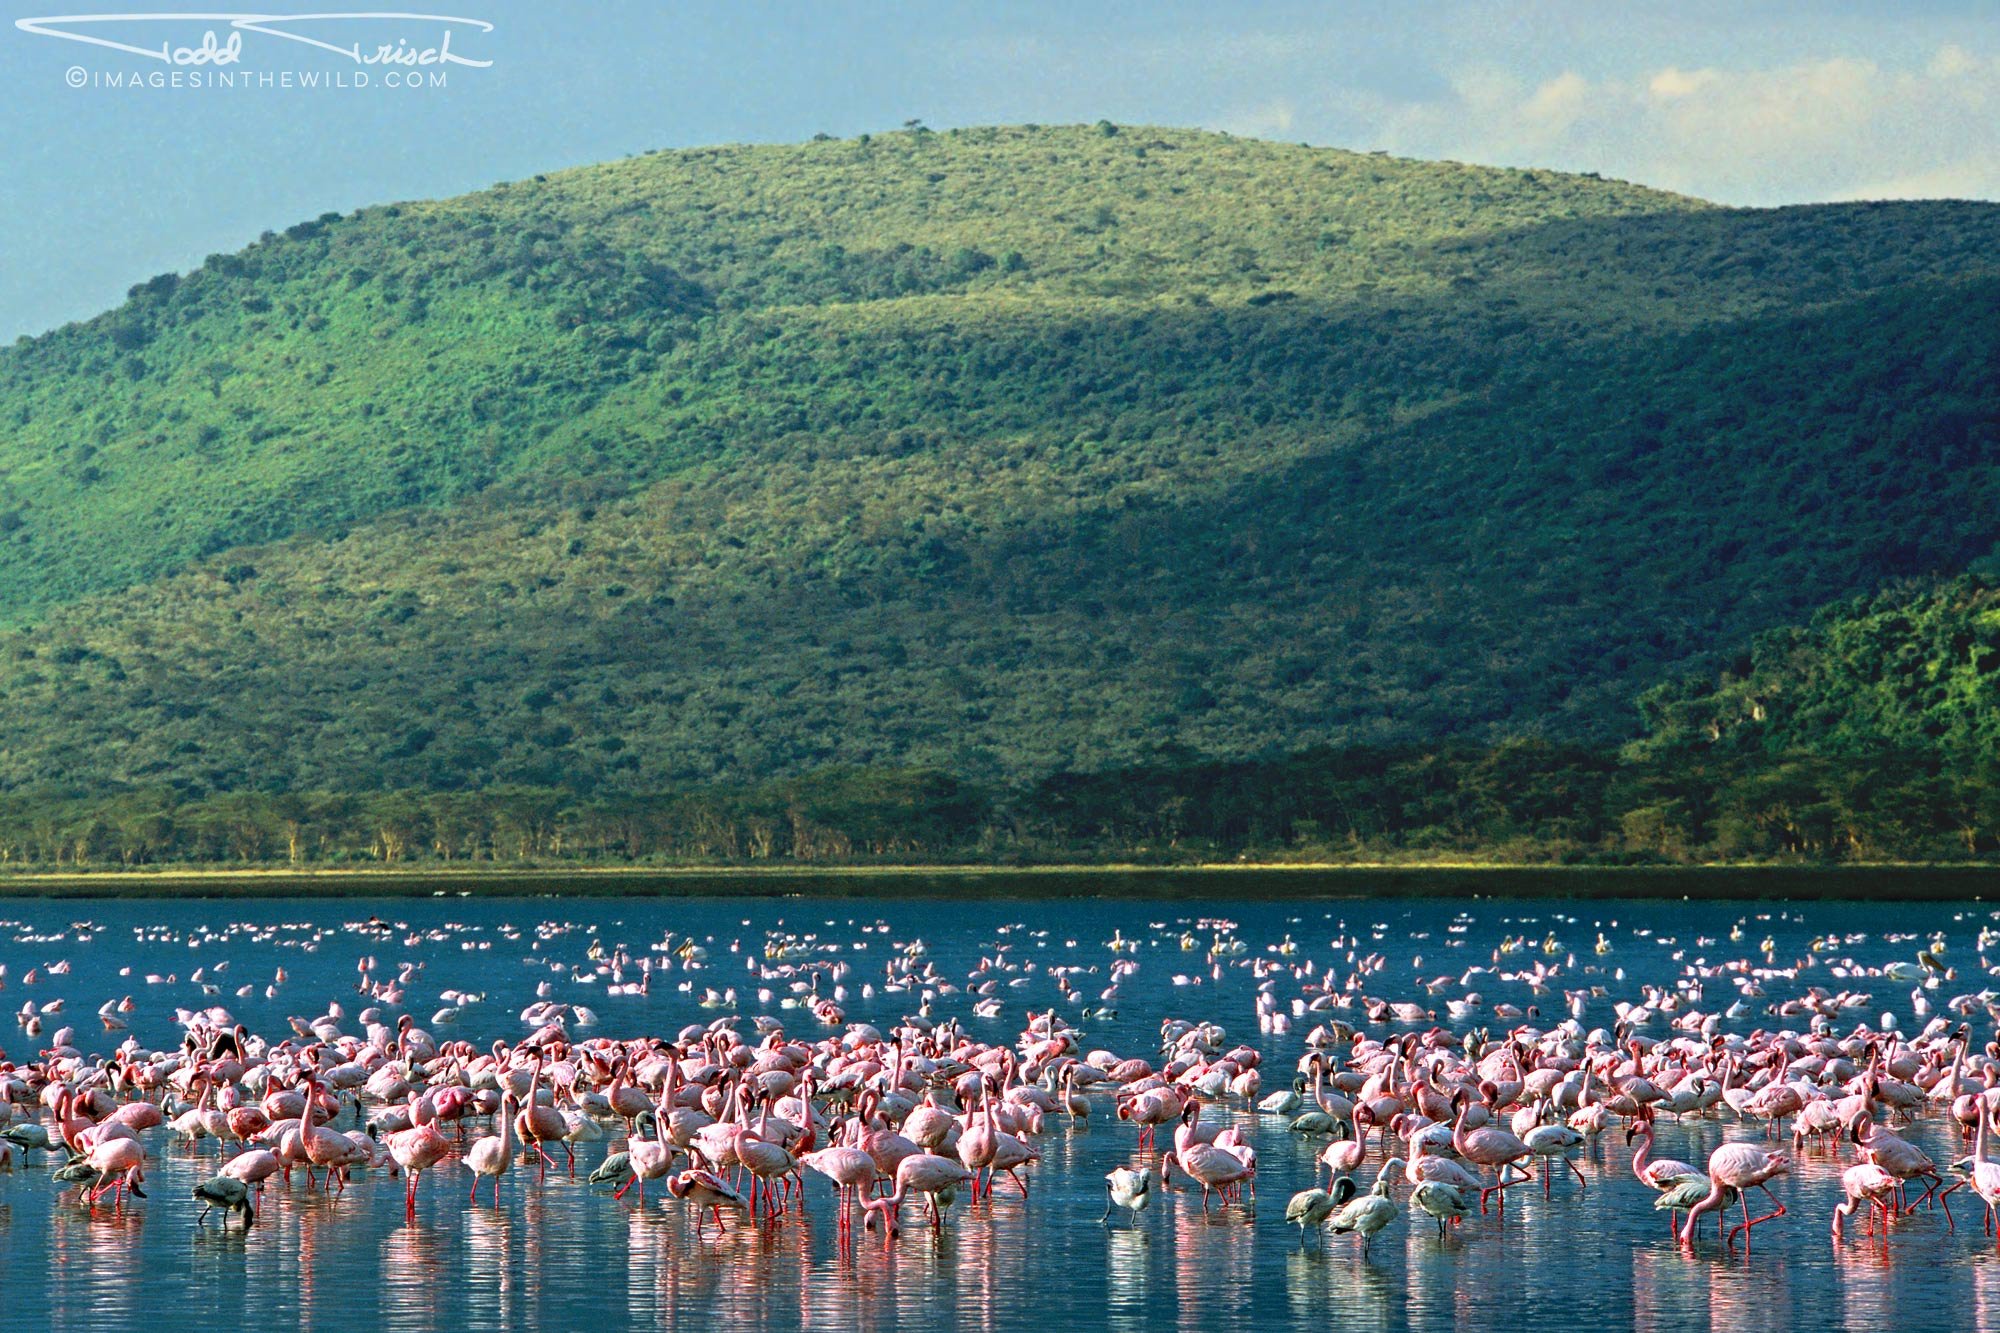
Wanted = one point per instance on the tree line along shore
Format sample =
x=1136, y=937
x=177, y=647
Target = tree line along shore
x=1528, y=803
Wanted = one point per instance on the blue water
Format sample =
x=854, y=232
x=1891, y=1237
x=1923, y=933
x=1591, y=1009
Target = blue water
x=557, y=1254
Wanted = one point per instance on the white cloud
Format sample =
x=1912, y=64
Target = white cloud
x=1838, y=127
x=1951, y=61
x=1271, y=120
x=1557, y=105
x=1671, y=83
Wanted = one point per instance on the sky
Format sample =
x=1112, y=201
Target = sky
x=1733, y=100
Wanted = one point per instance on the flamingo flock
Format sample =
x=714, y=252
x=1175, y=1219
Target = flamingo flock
x=728, y=1118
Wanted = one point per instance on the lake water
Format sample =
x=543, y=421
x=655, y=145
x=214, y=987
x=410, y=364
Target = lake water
x=558, y=1254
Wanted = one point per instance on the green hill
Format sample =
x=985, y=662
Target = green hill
x=1911, y=668
x=1000, y=452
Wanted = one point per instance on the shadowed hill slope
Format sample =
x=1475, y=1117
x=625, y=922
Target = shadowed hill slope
x=1003, y=452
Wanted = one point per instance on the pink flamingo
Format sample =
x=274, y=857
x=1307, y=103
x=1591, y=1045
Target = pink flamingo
x=1741, y=1167
x=1345, y=1156
x=707, y=1190
x=1492, y=1147
x=630, y=1101
x=1866, y=1183
x=120, y=1164
x=537, y=1124
x=1896, y=1155
x=1191, y=1131
x=1981, y=1174
x=247, y=1122
x=1661, y=1171
x=851, y=1171
x=253, y=1166
x=649, y=1159
x=1149, y=1110
x=768, y=1163
x=492, y=1155
x=416, y=1150
x=985, y=1148
x=1010, y=1153
x=979, y=1141
x=322, y=1147
x=1211, y=1167
x=927, y=1174
x=929, y=1125
x=889, y=1149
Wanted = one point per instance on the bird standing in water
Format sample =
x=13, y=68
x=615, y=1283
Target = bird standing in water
x=1373, y=1210
x=1126, y=1188
x=227, y=1193
x=1741, y=1167
x=1311, y=1208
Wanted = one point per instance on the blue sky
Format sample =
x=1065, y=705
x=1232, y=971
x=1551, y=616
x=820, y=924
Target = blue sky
x=1741, y=102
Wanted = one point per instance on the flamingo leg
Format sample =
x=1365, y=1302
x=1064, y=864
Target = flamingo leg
x=1749, y=1221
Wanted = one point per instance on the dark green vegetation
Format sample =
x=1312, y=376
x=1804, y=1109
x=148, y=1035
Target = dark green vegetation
x=998, y=454
x=1519, y=803
x=1913, y=667
x=1881, y=884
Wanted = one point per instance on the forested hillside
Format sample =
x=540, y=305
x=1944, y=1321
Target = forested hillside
x=997, y=453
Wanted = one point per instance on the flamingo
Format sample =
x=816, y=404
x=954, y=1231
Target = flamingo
x=1741, y=1167
x=768, y=1163
x=1865, y=1183
x=1981, y=1174
x=323, y=1147
x=938, y=1178
x=492, y=1155
x=120, y=1164
x=1149, y=1110
x=537, y=1124
x=1555, y=1143
x=850, y=1170
x=1345, y=1156
x=253, y=1166
x=416, y=1150
x=1896, y=1155
x=646, y=1159
x=1488, y=1146
x=1212, y=1168
x=706, y=1190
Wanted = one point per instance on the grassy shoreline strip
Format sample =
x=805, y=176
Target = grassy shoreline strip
x=1885, y=883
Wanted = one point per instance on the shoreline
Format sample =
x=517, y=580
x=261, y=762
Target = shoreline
x=1887, y=882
